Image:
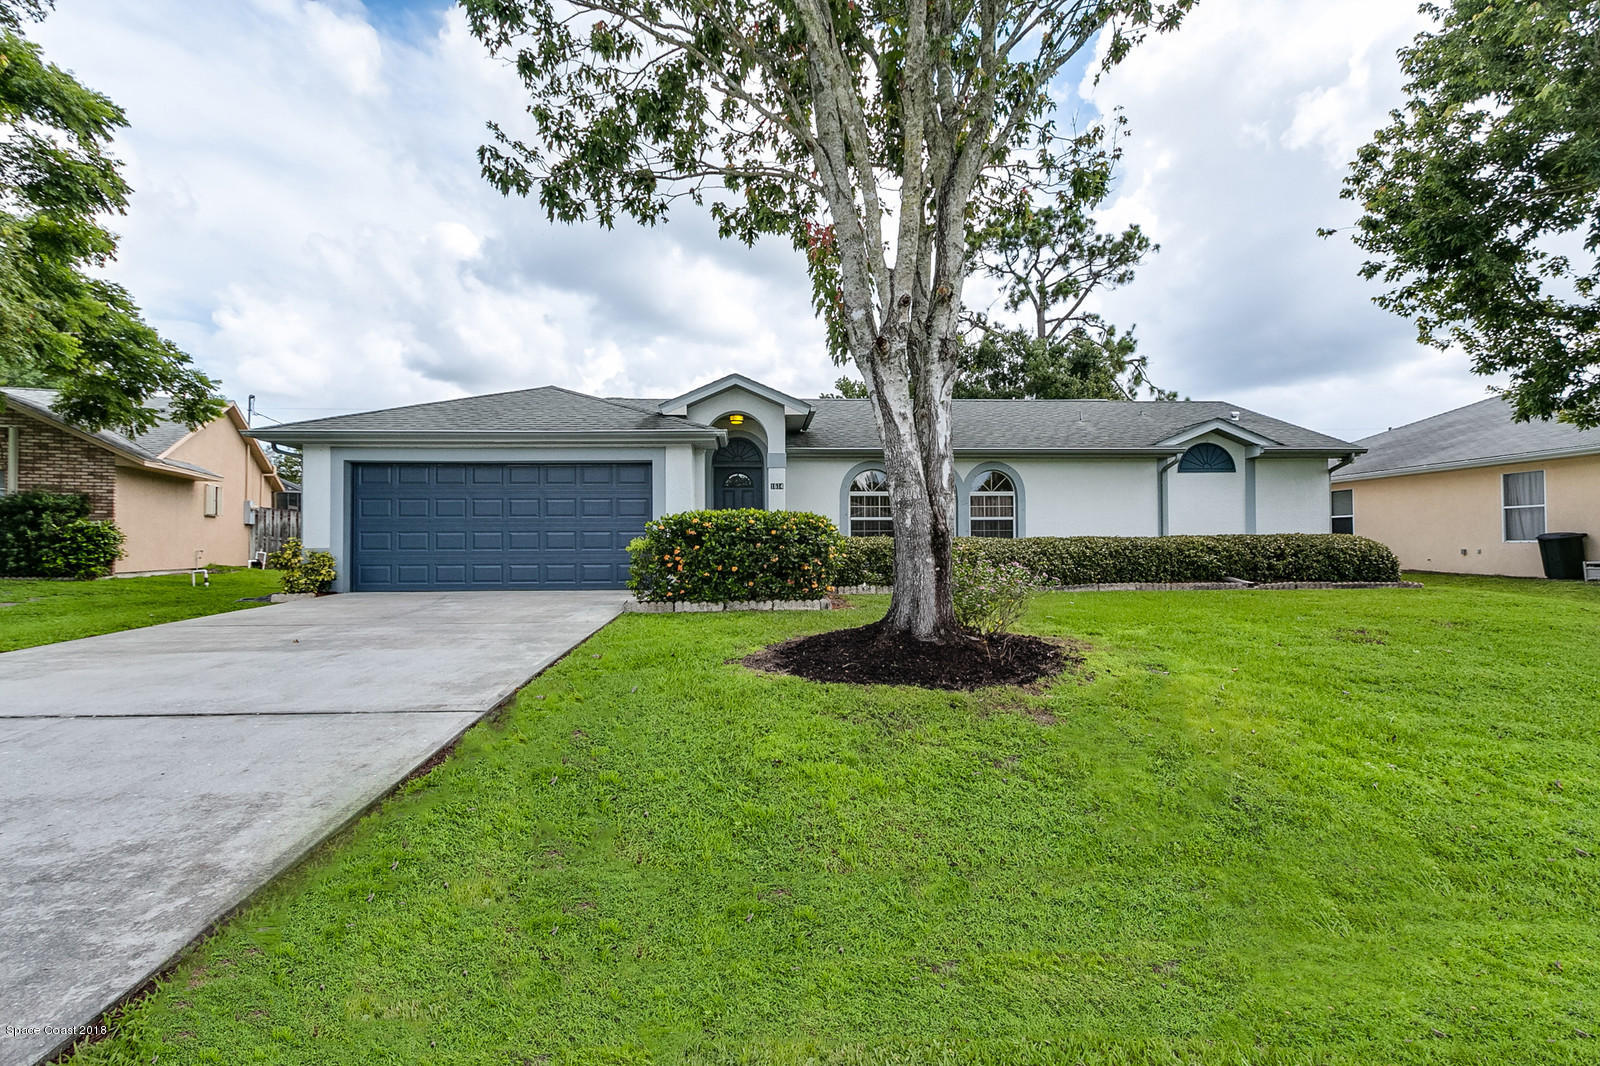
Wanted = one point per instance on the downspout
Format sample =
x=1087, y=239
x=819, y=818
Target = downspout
x=1342, y=463
x=1161, y=493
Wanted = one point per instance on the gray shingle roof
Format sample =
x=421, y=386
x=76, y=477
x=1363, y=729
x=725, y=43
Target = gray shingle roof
x=149, y=445
x=1481, y=433
x=547, y=409
x=1065, y=425
x=844, y=425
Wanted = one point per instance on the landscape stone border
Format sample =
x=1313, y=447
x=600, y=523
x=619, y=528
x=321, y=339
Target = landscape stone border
x=637, y=607
x=1177, y=586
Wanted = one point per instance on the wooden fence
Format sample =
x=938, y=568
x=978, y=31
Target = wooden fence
x=274, y=525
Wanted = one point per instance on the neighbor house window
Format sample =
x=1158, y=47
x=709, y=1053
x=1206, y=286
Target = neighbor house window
x=1344, y=510
x=993, y=506
x=869, y=505
x=1206, y=458
x=213, y=501
x=1522, y=499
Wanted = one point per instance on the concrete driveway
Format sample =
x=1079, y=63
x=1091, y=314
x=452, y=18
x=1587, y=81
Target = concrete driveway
x=151, y=780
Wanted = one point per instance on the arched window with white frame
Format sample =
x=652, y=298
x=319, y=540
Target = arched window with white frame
x=870, y=515
x=992, y=506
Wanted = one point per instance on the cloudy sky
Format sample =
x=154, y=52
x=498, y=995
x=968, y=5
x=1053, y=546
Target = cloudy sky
x=309, y=222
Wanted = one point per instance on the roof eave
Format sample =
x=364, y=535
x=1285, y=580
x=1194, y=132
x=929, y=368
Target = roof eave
x=678, y=406
x=1517, y=459
x=480, y=438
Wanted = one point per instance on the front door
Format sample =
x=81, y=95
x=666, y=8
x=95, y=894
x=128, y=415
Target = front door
x=738, y=475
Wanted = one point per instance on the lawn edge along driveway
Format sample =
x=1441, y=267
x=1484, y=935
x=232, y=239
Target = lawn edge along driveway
x=152, y=780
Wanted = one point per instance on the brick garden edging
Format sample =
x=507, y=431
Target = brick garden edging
x=637, y=607
x=1177, y=586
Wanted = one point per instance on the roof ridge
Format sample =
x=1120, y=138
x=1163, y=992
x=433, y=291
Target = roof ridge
x=610, y=403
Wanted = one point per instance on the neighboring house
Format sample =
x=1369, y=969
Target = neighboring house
x=173, y=491
x=1470, y=490
x=545, y=487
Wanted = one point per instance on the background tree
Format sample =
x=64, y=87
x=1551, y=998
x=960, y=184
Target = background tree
x=59, y=326
x=870, y=132
x=1482, y=197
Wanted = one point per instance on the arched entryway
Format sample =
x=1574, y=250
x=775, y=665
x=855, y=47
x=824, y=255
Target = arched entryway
x=738, y=475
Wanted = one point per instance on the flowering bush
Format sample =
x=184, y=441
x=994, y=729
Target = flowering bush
x=303, y=571
x=990, y=596
x=723, y=556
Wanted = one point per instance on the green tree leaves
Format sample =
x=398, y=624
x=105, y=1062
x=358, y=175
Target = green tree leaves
x=60, y=326
x=1481, y=198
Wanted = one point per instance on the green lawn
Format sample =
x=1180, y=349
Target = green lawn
x=43, y=612
x=1259, y=827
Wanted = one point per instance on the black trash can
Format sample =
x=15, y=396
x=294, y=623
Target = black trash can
x=1563, y=555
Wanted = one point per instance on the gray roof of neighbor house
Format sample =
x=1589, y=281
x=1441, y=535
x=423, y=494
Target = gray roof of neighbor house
x=1063, y=425
x=545, y=411
x=1479, y=434
x=148, y=446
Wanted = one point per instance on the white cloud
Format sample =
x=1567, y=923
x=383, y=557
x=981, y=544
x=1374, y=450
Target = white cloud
x=309, y=222
x=1243, y=123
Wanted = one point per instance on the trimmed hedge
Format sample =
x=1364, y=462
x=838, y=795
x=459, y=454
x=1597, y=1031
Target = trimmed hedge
x=725, y=556
x=1114, y=560
x=48, y=534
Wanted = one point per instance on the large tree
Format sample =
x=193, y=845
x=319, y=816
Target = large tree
x=61, y=325
x=1481, y=197
x=877, y=134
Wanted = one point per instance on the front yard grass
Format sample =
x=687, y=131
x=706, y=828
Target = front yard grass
x=43, y=612
x=1257, y=827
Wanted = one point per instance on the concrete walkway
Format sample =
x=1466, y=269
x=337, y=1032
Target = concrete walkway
x=151, y=780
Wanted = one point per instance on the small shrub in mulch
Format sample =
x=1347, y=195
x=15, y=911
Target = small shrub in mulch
x=868, y=656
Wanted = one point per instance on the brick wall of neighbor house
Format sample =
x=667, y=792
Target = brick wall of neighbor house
x=49, y=458
x=1451, y=520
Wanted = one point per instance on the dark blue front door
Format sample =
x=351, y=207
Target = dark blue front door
x=738, y=475
x=494, y=525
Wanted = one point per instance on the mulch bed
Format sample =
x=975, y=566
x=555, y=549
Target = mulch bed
x=867, y=656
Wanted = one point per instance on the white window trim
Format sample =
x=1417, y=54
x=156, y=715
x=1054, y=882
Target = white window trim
x=1540, y=506
x=853, y=493
x=1335, y=515
x=13, y=456
x=975, y=496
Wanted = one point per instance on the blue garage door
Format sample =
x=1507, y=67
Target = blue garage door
x=495, y=525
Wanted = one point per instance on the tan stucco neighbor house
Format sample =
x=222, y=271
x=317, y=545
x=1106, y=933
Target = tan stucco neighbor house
x=1470, y=490
x=173, y=491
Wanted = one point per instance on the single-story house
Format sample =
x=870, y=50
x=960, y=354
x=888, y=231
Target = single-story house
x=545, y=487
x=174, y=492
x=1469, y=491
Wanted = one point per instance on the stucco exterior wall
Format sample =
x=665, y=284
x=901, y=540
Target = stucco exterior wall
x=1061, y=498
x=1451, y=520
x=164, y=517
x=1209, y=502
x=1292, y=496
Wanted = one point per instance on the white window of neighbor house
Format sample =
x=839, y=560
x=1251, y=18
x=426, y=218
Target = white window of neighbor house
x=1522, y=502
x=1344, y=510
x=213, y=500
